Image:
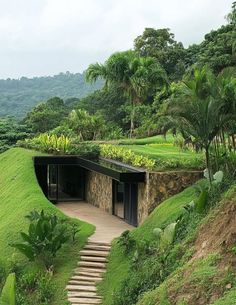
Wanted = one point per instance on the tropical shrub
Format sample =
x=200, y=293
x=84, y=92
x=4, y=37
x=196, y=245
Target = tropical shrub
x=127, y=242
x=46, y=235
x=127, y=156
x=165, y=236
x=8, y=296
x=47, y=143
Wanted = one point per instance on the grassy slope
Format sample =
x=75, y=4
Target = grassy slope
x=204, y=280
x=119, y=264
x=20, y=194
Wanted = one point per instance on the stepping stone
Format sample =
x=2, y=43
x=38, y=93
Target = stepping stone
x=98, y=243
x=91, y=264
x=86, y=278
x=84, y=301
x=97, y=248
x=85, y=283
x=95, y=270
x=89, y=273
x=94, y=253
x=91, y=295
x=81, y=288
x=93, y=259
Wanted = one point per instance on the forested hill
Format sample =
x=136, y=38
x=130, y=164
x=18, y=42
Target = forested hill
x=18, y=96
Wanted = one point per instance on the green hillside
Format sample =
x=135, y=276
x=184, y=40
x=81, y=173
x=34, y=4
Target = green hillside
x=20, y=194
x=198, y=269
x=18, y=96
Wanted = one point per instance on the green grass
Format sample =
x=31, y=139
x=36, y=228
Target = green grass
x=20, y=194
x=149, y=140
x=168, y=156
x=162, y=152
x=119, y=266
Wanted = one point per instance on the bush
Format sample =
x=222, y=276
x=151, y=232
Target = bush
x=85, y=150
x=46, y=235
x=61, y=145
x=47, y=143
x=127, y=156
x=127, y=242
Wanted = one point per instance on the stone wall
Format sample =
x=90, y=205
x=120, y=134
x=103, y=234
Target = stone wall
x=160, y=186
x=98, y=191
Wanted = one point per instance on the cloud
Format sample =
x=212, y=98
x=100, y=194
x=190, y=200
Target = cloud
x=42, y=37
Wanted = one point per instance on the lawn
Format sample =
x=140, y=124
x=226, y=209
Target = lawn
x=149, y=140
x=163, y=151
x=20, y=194
x=168, y=156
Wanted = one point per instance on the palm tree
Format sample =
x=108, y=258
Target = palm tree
x=134, y=75
x=201, y=107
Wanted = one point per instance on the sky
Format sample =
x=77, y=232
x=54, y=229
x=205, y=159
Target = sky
x=46, y=37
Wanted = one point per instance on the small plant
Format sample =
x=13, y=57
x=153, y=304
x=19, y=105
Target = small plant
x=45, y=288
x=166, y=236
x=73, y=229
x=200, y=205
x=127, y=242
x=8, y=296
x=46, y=235
x=234, y=250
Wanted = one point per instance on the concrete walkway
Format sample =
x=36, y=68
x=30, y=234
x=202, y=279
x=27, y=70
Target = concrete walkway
x=107, y=226
x=82, y=286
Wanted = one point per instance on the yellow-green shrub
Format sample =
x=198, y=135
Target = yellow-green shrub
x=126, y=156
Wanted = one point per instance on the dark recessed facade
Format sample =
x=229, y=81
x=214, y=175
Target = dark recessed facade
x=68, y=178
x=117, y=188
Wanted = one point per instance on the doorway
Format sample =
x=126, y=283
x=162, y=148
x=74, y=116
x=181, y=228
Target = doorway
x=125, y=201
x=65, y=182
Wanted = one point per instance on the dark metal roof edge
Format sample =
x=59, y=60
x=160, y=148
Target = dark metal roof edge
x=132, y=176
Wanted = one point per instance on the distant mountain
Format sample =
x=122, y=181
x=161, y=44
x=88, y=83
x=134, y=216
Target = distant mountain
x=18, y=96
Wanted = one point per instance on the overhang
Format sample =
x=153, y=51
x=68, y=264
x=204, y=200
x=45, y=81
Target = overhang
x=116, y=170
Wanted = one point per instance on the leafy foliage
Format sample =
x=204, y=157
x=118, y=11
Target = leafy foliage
x=127, y=156
x=160, y=44
x=10, y=132
x=20, y=96
x=45, y=237
x=46, y=116
x=166, y=236
x=8, y=295
x=126, y=242
x=48, y=143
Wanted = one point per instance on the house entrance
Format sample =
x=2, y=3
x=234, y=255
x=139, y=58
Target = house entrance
x=65, y=182
x=125, y=201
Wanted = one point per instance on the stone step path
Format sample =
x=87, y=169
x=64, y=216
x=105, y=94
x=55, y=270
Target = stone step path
x=81, y=288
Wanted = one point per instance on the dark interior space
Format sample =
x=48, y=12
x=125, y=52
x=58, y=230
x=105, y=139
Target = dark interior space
x=125, y=201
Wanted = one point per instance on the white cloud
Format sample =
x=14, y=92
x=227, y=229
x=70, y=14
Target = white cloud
x=41, y=37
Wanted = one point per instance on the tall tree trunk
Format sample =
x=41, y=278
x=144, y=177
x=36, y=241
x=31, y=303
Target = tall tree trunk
x=132, y=117
x=208, y=163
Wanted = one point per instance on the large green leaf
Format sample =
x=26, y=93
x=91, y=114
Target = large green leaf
x=8, y=296
x=201, y=203
x=168, y=235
